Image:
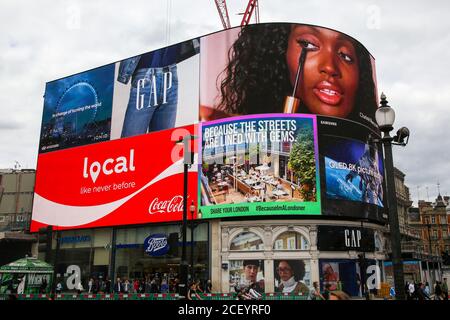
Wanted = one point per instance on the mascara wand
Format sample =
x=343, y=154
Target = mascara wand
x=291, y=103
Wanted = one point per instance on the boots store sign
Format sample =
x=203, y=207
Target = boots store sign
x=345, y=238
x=112, y=183
x=156, y=245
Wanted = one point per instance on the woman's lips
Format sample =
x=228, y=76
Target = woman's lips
x=328, y=93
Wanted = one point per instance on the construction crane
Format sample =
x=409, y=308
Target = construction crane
x=252, y=6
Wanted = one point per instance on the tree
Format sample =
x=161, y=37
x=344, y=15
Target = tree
x=302, y=162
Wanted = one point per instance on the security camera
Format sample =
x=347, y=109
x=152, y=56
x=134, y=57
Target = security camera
x=402, y=134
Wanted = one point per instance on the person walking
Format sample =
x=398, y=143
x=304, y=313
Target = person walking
x=445, y=289
x=118, y=286
x=437, y=291
x=79, y=287
x=412, y=289
x=126, y=286
x=90, y=285
x=327, y=291
x=315, y=294
x=426, y=291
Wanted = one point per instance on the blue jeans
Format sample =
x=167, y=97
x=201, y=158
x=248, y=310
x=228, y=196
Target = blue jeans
x=153, y=101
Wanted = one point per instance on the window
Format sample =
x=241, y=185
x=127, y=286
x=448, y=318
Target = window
x=247, y=241
x=2, y=218
x=278, y=244
x=433, y=220
x=291, y=240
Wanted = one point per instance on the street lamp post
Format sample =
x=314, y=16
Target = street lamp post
x=430, y=257
x=188, y=160
x=192, y=210
x=385, y=117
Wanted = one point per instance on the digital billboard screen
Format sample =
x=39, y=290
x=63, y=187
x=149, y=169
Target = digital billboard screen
x=119, y=182
x=262, y=96
x=154, y=91
x=352, y=171
x=259, y=165
x=265, y=67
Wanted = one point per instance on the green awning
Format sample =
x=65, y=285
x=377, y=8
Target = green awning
x=27, y=265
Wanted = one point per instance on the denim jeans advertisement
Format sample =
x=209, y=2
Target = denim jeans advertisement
x=147, y=93
x=157, y=90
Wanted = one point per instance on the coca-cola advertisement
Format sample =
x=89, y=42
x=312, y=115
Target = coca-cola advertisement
x=118, y=182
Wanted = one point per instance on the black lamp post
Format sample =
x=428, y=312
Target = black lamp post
x=385, y=117
x=188, y=161
x=192, y=210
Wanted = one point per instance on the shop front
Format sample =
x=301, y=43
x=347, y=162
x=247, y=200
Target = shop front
x=82, y=254
x=142, y=253
x=344, y=252
x=153, y=253
x=275, y=255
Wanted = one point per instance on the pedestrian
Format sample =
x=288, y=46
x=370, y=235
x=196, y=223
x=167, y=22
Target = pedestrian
x=96, y=287
x=327, y=291
x=254, y=294
x=315, y=294
x=426, y=291
x=43, y=287
x=445, y=289
x=437, y=291
x=420, y=294
x=192, y=292
x=208, y=286
x=408, y=294
x=411, y=289
x=164, y=286
x=90, y=285
x=107, y=285
x=79, y=287
x=392, y=293
x=118, y=286
x=126, y=286
x=21, y=286
x=59, y=287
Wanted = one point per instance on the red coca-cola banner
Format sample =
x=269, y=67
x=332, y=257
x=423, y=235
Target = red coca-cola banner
x=128, y=181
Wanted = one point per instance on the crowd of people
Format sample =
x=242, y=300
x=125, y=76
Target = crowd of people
x=149, y=284
x=422, y=291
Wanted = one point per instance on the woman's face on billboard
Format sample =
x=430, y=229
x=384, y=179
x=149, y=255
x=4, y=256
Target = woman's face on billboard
x=285, y=271
x=330, y=74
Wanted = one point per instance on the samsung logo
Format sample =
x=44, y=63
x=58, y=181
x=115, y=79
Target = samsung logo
x=328, y=123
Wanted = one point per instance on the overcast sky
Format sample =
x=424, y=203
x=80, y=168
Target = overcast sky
x=45, y=40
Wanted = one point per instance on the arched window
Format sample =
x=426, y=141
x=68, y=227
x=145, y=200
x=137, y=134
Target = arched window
x=247, y=241
x=291, y=240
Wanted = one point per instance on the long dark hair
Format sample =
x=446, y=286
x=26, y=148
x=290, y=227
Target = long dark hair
x=257, y=77
x=297, y=266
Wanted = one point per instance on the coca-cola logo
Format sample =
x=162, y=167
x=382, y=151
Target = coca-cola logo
x=156, y=245
x=166, y=206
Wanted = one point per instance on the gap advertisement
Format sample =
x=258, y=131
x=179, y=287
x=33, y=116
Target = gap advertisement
x=259, y=165
x=353, y=172
x=119, y=182
x=154, y=91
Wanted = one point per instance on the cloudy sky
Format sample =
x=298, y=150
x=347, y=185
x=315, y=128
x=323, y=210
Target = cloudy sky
x=45, y=40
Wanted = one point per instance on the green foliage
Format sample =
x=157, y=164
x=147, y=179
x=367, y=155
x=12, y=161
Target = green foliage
x=303, y=163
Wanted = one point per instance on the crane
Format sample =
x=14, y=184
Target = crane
x=252, y=6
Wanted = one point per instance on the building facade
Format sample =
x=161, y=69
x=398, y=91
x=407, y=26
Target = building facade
x=16, y=201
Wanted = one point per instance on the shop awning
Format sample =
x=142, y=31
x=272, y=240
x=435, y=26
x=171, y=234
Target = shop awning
x=27, y=265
